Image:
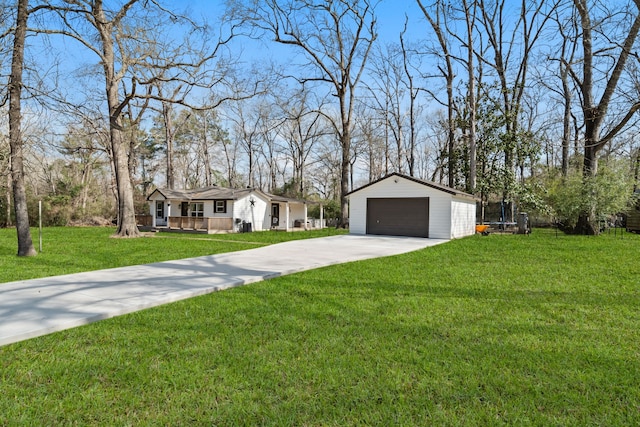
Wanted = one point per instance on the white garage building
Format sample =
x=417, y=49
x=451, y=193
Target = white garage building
x=400, y=205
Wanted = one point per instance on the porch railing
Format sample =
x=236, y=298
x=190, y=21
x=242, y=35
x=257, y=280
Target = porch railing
x=200, y=223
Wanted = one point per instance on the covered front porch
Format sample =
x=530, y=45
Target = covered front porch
x=290, y=215
x=283, y=215
x=221, y=210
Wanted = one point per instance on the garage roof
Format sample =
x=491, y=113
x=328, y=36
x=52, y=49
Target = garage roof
x=431, y=184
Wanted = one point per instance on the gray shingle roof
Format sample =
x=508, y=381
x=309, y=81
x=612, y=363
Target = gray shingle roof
x=431, y=184
x=218, y=193
x=208, y=193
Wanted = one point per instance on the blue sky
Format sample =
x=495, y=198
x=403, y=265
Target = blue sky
x=390, y=16
x=71, y=58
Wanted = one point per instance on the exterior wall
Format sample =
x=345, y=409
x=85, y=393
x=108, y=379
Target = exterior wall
x=209, y=209
x=398, y=187
x=207, y=206
x=463, y=214
x=296, y=213
x=257, y=215
x=156, y=196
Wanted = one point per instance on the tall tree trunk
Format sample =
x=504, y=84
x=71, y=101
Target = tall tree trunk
x=168, y=135
x=25, y=244
x=126, y=210
x=636, y=168
x=127, y=226
x=594, y=112
x=8, y=196
x=251, y=161
x=345, y=166
x=449, y=75
x=413, y=94
x=336, y=36
x=566, y=125
x=471, y=99
x=208, y=173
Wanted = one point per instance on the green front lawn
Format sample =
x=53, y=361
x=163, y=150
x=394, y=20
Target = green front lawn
x=75, y=249
x=498, y=330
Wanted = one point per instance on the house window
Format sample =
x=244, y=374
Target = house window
x=220, y=206
x=197, y=209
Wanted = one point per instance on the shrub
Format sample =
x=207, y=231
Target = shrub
x=609, y=193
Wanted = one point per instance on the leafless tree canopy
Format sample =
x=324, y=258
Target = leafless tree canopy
x=519, y=103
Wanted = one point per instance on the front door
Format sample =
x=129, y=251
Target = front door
x=160, y=219
x=275, y=214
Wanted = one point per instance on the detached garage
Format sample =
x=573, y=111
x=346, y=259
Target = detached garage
x=399, y=205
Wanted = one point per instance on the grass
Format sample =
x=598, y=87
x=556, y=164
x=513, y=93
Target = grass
x=498, y=330
x=76, y=249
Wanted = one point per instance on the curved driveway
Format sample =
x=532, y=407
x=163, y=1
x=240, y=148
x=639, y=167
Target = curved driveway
x=31, y=308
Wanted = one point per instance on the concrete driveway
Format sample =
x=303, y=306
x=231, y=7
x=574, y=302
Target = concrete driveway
x=31, y=308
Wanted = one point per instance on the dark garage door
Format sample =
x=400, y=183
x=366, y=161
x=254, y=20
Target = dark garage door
x=398, y=217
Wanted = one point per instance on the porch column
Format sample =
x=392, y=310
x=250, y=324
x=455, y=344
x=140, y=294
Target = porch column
x=305, y=216
x=321, y=215
x=168, y=214
x=286, y=224
x=152, y=209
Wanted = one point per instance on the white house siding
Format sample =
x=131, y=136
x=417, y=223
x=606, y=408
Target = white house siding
x=439, y=204
x=256, y=214
x=297, y=213
x=463, y=212
x=208, y=209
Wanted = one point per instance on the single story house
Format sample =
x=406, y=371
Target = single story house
x=401, y=205
x=219, y=209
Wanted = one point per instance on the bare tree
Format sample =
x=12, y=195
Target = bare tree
x=131, y=43
x=246, y=121
x=512, y=47
x=336, y=36
x=167, y=117
x=5, y=173
x=567, y=95
x=596, y=112
x=108, y=26
x=470, y=21
x=210, y=134
x=302, y=129
x=83, y=145
x=25, y=244
x=413, y=91
x=388, y=97
x=438, y=21
x=271, y=147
